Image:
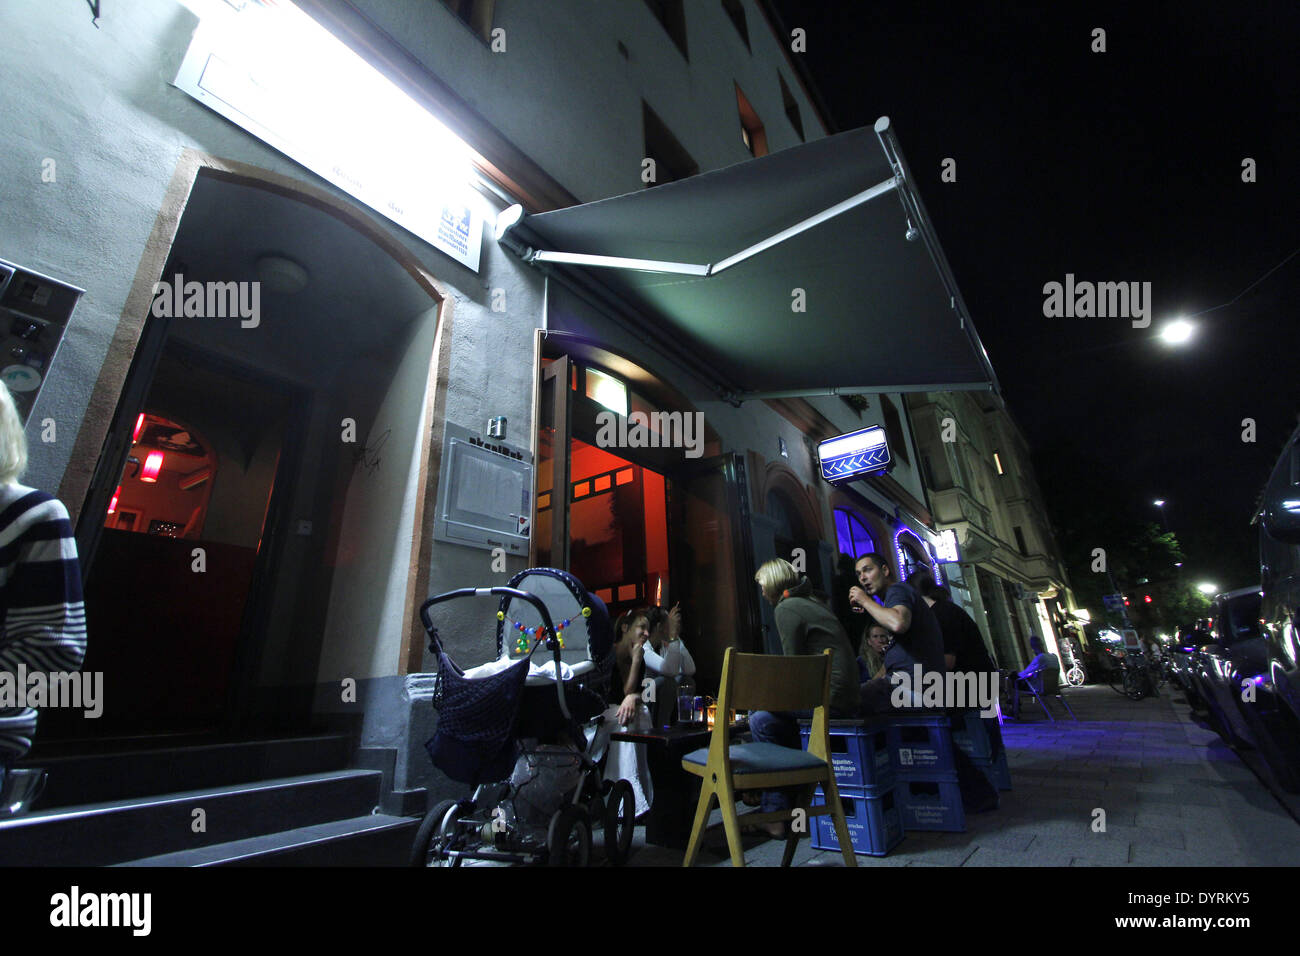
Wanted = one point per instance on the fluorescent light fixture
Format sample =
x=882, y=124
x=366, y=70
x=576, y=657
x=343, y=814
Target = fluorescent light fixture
x=998, y=462
x=607, y=391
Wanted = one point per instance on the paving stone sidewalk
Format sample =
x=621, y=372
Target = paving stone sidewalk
x=1173, y=794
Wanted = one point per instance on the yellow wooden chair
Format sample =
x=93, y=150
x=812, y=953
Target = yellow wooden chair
x=774, y=683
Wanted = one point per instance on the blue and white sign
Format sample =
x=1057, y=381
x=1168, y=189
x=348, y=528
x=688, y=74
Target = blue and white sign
x=863, y=452
x=945, y=547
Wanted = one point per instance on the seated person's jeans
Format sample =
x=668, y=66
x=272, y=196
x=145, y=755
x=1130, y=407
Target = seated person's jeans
x=782, y=727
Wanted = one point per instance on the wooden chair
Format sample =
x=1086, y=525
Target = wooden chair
x=774, y=683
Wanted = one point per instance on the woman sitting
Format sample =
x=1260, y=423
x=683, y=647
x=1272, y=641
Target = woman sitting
x=806, y=627
x=626, y=760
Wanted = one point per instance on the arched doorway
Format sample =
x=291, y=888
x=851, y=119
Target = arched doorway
x=248, y=573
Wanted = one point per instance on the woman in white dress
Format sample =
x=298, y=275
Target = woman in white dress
x=649, y=648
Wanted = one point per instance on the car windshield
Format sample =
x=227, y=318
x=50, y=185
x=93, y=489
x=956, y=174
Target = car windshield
x=1240, y=619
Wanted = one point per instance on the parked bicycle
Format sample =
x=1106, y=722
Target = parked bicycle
x=1135, y=678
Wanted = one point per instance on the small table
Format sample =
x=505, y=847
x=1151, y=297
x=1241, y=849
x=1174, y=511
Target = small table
x=676, y=792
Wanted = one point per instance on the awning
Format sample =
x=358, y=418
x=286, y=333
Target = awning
x=717, y=259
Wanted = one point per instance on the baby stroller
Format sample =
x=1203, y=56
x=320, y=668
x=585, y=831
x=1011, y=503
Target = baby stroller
x=527, y=737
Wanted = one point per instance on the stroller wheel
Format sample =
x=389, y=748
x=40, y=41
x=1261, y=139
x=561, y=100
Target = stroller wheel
x=436, y=830
x=568, y=842
x=620, y=822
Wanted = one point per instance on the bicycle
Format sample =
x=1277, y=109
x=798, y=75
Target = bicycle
x=1130, y=680
x=1076, y=676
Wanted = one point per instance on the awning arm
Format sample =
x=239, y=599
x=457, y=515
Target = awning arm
x=856, y=200
x=919, y=226
x=510, y=217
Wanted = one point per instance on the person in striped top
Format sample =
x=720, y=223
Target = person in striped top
x=42, y=617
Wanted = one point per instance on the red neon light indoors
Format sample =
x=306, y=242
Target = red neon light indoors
x=152, y=465
x=139, y=424
x=112, y=505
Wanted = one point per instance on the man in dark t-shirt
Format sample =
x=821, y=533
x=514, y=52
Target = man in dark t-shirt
x=964, y=650
x=917, y=638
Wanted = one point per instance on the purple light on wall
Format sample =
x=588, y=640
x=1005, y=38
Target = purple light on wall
x=902, y=555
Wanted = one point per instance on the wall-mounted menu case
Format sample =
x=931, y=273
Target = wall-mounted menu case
x=34, y=314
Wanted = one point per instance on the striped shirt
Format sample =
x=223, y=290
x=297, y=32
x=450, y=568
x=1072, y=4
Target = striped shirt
x=42, y=617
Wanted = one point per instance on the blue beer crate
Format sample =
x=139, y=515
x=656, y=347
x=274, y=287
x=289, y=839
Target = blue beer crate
x=921, y=746
x=859, y=753
x=932, y=805
x=971, y=735
x=874, y=820
x=997, y=771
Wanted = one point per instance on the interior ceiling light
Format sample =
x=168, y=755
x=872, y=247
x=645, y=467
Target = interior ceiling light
x=281, y=275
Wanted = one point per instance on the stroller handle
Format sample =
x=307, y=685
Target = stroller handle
x=551, y=643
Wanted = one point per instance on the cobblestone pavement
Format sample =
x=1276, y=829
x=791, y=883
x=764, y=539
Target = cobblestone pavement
x=1173, y=794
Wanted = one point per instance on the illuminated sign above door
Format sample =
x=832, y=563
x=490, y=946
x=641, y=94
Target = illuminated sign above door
x=282, y=77
x=855, y=455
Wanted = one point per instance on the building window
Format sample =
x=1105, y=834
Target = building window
x=851, y=535
x=671, y=161
x=894, y=429
x=737, y=14
x=1020, y=541
x=670, y=14
x=475, y=14
x=791, y=107
x=751, y=127
x=997, y=461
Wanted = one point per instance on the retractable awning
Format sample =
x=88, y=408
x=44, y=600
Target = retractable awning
x=721, y=263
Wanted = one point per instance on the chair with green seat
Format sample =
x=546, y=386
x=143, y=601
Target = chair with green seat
x=773, y=683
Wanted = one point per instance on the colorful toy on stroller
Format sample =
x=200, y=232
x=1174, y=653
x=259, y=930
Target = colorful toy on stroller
x=528, y=738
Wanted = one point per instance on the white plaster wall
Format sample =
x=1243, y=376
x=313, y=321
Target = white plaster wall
x=565, y=96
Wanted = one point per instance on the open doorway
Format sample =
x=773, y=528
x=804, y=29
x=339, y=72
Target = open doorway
x=258, y=471
x=641, y=524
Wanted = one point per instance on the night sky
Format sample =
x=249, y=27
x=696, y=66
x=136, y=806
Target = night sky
x=1116, y=166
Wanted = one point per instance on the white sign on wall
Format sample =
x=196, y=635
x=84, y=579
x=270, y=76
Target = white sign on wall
x=293, y=85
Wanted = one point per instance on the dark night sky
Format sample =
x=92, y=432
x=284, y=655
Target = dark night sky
x=1116, y=166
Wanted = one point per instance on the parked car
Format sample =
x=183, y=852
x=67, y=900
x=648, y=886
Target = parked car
x=1234, y=652
x=1275, y=714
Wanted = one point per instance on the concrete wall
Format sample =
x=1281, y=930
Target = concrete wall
x=564, y=53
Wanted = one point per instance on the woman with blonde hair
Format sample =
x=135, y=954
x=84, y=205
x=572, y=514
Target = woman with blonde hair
x=806, y=626
x=42, y=618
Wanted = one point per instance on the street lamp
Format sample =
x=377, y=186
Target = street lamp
x=1160, y=503
x=1177, y=332
x=1205, y=587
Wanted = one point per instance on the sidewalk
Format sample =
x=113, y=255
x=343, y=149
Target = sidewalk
x=1173, y=795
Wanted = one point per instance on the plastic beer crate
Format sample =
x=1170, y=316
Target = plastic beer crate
x=921, y=746
x=932, y=805
x=875, y=821
x=859, y=753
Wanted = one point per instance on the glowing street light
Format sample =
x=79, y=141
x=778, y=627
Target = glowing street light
x=1205, y=587
x=1177, y=332
x=1159, y=502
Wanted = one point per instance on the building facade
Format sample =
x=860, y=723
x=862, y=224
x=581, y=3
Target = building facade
x=982, y=486
x=260, y=470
